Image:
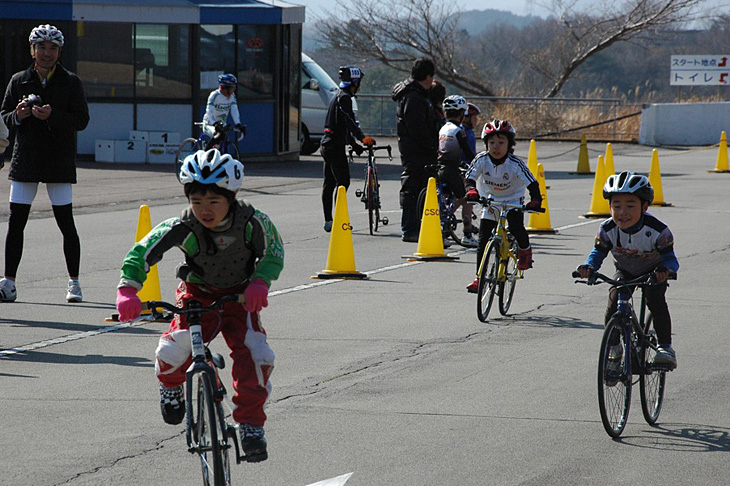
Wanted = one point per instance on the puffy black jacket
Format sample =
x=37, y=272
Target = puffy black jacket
x=45, y=151
x=416, y=122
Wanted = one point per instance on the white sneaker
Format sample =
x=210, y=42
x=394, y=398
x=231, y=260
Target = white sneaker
x=8, y=293
x=469, y=241
x=74, y=291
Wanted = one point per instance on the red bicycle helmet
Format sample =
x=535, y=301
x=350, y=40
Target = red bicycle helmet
x=498, y=126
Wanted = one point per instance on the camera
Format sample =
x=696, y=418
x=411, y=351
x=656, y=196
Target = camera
x=32, y=100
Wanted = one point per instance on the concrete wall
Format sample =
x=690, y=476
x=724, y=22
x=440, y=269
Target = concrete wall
x=684, y=123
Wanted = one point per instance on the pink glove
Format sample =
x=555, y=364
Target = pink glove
x=255, y=295
x=128, y=304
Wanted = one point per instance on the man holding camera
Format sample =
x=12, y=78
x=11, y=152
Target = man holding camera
x=45, y=106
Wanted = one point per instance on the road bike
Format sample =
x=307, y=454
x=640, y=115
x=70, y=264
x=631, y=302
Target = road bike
x=207, y=431
x=447, y=207
x=498, y=273
x=225, y=145
x=628, y=348
x=370, y=194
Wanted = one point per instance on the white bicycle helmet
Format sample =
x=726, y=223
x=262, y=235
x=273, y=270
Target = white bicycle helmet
x=628, y=182
x=44, y=33
x=210, y=167
x=455, y=102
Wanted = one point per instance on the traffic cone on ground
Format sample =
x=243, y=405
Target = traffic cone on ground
x=609, y=169
x=655, y=179
x=722, y=162
x=532, y=158
x=430, y=238
x=599, y=206
x=151, y=287
x=341, y=254
x=540, y=222
x=584, y=166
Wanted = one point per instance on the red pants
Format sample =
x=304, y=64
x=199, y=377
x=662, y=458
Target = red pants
x=253, y=359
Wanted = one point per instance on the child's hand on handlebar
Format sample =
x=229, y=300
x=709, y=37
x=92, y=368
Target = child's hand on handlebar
x=472, y=195
x=256, y=295
x=533, y=205
x=662, y=274
x=585, y=271
x=128, y=304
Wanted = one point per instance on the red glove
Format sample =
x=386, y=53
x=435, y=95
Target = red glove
x=256, y=295
x=472, y=195
x=368, y=141
x=128, y=304
x=533, y=205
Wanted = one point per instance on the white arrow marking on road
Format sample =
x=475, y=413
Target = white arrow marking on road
x=338, y=481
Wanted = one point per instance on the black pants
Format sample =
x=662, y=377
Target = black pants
x=515, y=225
x=336, y=173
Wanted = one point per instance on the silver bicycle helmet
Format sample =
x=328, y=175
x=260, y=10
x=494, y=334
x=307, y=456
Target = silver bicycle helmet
x=210, y=167
x=44, y=33
x=455, y=102
x=628, y=182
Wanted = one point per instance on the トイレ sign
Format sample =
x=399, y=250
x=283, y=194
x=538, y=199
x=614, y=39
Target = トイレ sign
x=700, y=70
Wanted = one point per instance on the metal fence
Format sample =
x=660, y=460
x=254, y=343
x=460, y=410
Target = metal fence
x=545, y=118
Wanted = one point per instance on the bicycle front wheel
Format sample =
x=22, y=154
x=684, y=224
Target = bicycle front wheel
x=651, y=382
x=512, y=275
x=614, y=378
x=212, y=442
x=488, y=280
x=371, y=191
x=231, y=148
x=187, y=147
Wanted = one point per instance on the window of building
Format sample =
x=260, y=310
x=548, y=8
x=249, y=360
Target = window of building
x=217, y=55
x=106, y=59
x=162, y=61
x=256, y=51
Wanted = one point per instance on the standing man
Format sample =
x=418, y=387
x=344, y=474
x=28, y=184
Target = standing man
x=417, y=141
x=340, y=129
x=46, y=106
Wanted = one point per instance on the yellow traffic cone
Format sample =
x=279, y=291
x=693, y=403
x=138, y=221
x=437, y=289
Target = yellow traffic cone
x=540, y=222
x=341, y=254
x=151, y=287
x=722, y=162
x=599, y=206
x=532, y=157
x=609, y=170
x=655, y=179
x=584, y=166
x=430, y=238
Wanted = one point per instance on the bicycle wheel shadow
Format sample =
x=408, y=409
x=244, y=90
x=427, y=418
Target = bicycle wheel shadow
x=682, y=438
x=543, y=321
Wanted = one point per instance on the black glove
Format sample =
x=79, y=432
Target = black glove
x=241, y=128
x=533, y=205
x=358, y=149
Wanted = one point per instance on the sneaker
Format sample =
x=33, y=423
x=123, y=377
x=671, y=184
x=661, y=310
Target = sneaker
x=410, y=238
x=253, y=442
x=74, y=291
x=665, y=356
x=172, y=404
x=524, y=258
x=8, y=293
x=447, y=242
x=473, y=287
x=613, y=366
x=328, y=226
x=469, y=241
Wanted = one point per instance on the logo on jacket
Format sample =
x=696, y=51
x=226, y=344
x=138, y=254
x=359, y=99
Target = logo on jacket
x=223, y=242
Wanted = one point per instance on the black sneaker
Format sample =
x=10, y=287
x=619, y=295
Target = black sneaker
x=172, y=404
x=253, y=443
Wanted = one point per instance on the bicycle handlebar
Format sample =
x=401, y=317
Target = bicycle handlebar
x=373, y=149
x=153, y=305
x=490, y=202
x=648, y=279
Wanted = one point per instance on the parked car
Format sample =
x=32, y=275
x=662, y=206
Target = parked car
x=318, y=88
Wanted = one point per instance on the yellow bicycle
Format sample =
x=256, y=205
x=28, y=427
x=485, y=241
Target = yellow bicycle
x=498, y=272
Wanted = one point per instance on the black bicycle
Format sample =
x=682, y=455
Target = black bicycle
x=207, y=431
x=225, y=145
x=628, y=348
x=370, y=194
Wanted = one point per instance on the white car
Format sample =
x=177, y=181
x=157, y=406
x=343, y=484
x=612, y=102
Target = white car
x=318, y=89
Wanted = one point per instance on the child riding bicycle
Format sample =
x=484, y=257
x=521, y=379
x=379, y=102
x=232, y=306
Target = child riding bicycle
x=221, y=102
x=453, y=144
x=230, y=247
x=504, y=176
x=639, y=243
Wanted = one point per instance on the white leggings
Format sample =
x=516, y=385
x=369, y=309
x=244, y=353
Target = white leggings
x=59, y=193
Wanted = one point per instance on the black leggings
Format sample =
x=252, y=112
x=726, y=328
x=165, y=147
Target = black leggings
x=336, y=173
x=515, y=225
x=14, y=239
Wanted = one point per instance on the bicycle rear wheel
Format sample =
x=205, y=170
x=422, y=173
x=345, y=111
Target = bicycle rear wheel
x=512, y=275
x=449, y=221
x=371, y=191
x=614, y=378
x=187, y=147
x=488, y=280
x=652, y=382
x=212, y=441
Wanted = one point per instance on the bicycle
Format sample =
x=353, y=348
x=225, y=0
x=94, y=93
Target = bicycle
x=370, y=194
x=207, y=432
x=498, y=272
x=191, y=145
x=628, y=348
x=447, y=207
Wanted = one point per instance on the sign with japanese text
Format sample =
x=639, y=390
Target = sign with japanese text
x=700, y=70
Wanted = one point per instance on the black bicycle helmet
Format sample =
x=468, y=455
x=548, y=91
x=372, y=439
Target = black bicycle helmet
x=628, y=182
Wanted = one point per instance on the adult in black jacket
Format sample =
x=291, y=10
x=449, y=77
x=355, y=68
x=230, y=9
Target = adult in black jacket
x=417, y=141
x=340, y=129
x=45, y=105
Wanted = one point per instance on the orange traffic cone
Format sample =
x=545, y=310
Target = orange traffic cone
x=430, y=238
x=540, y=222
x=341, y=254
x=609, y=170
x=584, y=166
x=655, y=179
x=151, y=287
x=722, y=162
x=599, y=206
